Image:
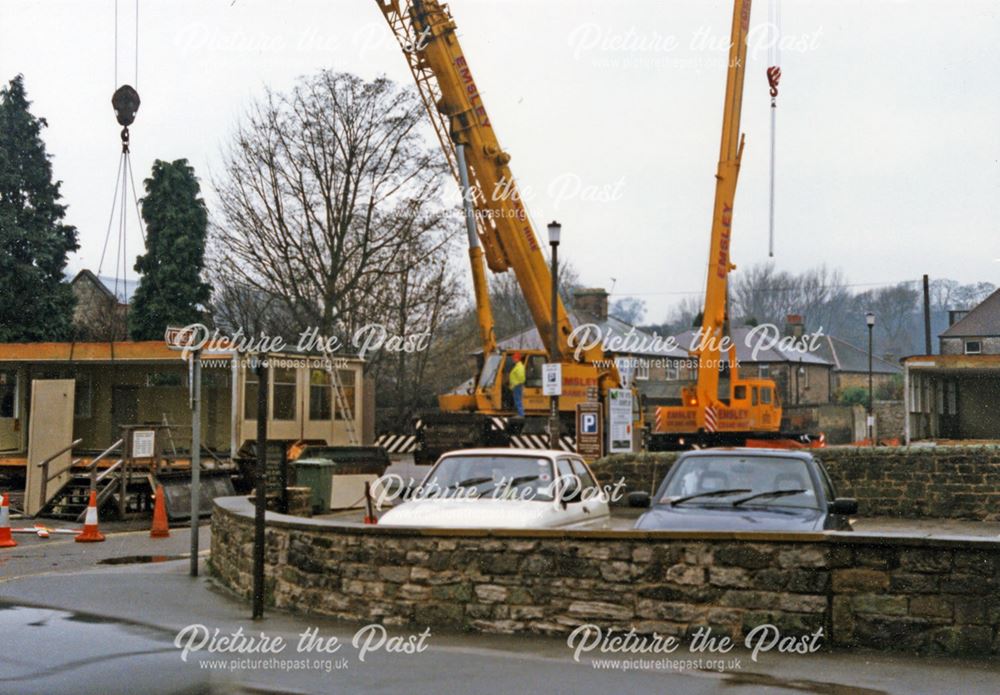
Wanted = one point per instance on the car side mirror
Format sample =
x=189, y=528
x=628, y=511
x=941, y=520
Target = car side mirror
x=638, y=499
x=844, y=505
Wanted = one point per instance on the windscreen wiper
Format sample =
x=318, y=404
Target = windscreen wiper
x=769, y=493
x=710, y=493
x=471, y=481
x=514, y=482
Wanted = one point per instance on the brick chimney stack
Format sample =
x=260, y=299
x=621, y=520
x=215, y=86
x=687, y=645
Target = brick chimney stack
x=593, y=301
x=795, y=325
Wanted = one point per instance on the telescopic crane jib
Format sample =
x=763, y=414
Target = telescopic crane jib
x=500, y=234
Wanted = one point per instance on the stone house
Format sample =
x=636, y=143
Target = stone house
x=101, y=313
x=850, y=366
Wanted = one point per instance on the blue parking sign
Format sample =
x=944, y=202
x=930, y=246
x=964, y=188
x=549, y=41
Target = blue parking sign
x=588, y=423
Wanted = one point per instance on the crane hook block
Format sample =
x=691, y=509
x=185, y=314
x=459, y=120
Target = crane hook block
x=125, y=102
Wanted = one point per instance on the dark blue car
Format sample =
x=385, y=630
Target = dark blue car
x=745, y=490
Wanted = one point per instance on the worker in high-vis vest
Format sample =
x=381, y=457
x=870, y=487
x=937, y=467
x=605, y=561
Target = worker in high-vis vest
x=516, y=382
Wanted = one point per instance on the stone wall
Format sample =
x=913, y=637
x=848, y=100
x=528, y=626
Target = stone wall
x=889, y=419
x=912, y=483
x=886, y=593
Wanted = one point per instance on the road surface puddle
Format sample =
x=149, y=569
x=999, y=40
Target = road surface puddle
x=140, y=559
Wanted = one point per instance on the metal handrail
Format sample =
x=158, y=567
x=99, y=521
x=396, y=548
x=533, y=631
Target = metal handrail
x=59, y=453
x=72, y=463
x=104, y=453
x=109, y=470
x=44, y=465
x=92, y=466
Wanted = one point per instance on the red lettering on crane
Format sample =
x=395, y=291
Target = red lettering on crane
x=529, y=236
x=472, y=91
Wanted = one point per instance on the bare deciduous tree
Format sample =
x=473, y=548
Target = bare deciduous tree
x=332, y=217
x=325, y=190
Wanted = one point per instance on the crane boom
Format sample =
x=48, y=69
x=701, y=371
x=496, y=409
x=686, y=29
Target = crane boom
x=719, y=264
x=427, y=33
x=749, y=410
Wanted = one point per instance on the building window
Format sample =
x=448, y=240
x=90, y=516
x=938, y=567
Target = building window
x=641, y=369
x=8, y=393
x=973, y=347
x=250, y=387
x=347, y=384
x=672, y=371
x=82, y=397
x=283, y=406
x=319, y=394
x=166, y=379
x=764, y=371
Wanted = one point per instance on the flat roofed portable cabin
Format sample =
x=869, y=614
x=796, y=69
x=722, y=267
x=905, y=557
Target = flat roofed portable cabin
x=144, y=382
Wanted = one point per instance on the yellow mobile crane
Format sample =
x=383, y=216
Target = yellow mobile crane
x=749, y=412
x=500, y=233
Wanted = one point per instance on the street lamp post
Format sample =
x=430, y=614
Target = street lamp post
x=870, y=320
x=554, y=230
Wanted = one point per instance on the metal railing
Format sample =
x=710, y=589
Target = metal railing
x=92, y=466
x=46, y=476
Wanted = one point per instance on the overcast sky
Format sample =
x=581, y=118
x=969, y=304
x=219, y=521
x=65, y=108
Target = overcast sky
x=888, y=116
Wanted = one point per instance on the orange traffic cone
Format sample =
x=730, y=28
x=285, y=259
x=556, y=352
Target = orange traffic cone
x=90, y=533
x=161, y=528
x=6, y=540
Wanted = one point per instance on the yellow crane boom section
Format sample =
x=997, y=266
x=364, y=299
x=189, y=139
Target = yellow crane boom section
x=428, y=35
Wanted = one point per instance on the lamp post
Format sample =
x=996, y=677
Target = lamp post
x=870, y=320
x=554, y=231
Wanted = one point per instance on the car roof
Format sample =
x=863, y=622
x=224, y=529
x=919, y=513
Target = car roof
x=743, y=451
x=501, y=451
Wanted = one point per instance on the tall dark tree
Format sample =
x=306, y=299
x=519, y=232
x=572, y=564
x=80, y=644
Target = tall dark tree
x=35, y=301
x=171, y=291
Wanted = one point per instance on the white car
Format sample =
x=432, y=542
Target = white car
x=505, y=488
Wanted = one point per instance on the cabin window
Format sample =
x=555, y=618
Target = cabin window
x=250, y=388
x=347, y=385
x=973, y=347
x=283, y=406
x=82, y=397
x=739, y=393
x=533, y=371
x=319, y=394
x=765, y=395
x=8, y=393
x=753, y=396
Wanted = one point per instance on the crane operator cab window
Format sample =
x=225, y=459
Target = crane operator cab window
x=489, y=373
x=765, y=395
x=533, y=371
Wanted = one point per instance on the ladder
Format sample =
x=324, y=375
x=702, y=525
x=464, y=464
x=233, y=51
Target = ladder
x=341, y=404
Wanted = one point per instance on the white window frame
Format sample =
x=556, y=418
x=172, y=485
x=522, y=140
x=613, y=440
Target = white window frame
x=641, y=369
x=977, y=351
